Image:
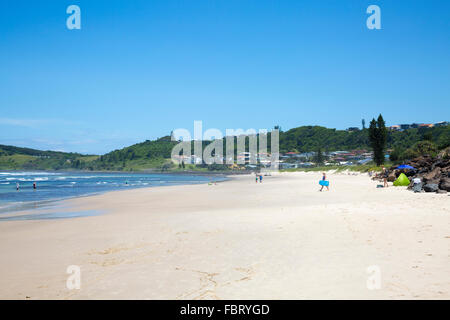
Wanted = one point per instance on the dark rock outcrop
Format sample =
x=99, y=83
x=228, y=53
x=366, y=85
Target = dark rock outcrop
x=434, y=173
x=445, y=184
x=431, y=187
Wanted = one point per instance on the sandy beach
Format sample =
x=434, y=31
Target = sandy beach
x=280, y=239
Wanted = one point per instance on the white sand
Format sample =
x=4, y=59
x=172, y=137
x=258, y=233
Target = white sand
x=281, y=239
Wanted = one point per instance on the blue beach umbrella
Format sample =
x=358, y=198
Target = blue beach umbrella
x=405, y=166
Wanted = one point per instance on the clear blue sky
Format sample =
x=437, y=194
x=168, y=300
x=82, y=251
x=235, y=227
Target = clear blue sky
x=138, y=69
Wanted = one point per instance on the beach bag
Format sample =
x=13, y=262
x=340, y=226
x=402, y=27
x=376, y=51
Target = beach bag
x=402, y=180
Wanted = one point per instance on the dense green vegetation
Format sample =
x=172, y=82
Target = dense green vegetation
x=357, y=168
x=414, y=143
x=311, y=138
x=156, y=154
x=145, y=155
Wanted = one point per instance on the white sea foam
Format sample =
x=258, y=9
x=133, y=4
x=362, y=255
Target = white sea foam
x=30, y=173
x=35, y=179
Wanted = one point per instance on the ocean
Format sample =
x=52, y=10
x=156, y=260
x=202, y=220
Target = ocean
x=53, y=186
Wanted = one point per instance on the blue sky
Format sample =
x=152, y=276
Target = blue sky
x=138, y=69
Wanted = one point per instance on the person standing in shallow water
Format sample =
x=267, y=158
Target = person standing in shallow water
x=17, y=186
x=34, y=185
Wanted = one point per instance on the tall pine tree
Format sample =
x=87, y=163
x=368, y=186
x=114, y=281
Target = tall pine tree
x=377, y=138
x=319, y=156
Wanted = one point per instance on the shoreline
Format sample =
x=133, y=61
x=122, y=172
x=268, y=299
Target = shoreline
x=279, y=239
x=9, y=208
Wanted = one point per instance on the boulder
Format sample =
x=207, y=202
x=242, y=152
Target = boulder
x=445, y=184
x=431, y=187
x=435, y=173
x=441, y=191
x=392, y=177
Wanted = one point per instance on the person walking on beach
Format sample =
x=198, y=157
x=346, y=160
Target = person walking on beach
x=256, y=177
x=324, y=178
x=260, y=178
x=385, y=175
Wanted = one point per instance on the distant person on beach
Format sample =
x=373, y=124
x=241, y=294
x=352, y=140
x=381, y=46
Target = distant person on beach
x=417, y=185
x=324, y=178
x=385, y=175
x=256, y=177
x=17, y=186
x=260, y=178
x=34, y=185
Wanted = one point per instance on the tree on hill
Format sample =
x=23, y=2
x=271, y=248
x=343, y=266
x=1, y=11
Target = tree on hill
x=377, y=139
x=319, y=156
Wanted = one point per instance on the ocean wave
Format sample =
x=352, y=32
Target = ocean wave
x=30, y=173
x=25, y=179
x=92, y=177
x=35, y=179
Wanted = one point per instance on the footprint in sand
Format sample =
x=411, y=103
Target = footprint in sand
x=209, y=283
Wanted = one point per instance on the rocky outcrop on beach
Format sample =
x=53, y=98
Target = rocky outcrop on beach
x=434, y=173
x=445, y=184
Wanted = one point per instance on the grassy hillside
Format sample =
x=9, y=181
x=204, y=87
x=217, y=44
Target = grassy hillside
x=145, y=155
x=15, y=158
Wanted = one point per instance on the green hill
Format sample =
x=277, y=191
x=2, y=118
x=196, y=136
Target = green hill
x=15, y=158
x=310, y=138
x=145, y=155
x=156, y=154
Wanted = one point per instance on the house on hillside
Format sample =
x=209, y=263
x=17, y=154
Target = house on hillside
x=405, y=126
x=291, y=154
x=364, y=161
